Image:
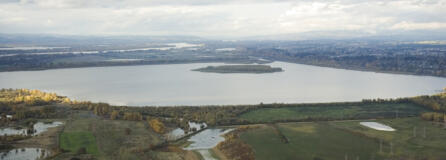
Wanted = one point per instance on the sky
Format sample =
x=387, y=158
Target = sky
x=220, y=18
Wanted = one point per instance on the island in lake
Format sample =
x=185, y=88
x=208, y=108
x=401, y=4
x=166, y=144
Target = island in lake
x=240, y=69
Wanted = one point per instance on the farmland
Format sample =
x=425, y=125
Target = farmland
x=332, y=112
x=338, y=140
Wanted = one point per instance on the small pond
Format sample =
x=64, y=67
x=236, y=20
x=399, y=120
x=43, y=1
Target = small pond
x=207, y=139
x=377, y=126
x=7, y=117
x=39, y=127
x=178, y=132
x=25, y=154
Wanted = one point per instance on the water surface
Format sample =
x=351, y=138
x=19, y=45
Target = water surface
x=24, y=154
x=207, y=139
x=176, y=84
x=377, y=126
x=178, y=132
x=39, y=127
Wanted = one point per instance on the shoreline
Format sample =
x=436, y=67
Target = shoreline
x=243, y=61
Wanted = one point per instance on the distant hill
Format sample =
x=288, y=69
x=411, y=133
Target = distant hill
x=48, y=39
x=354, y=35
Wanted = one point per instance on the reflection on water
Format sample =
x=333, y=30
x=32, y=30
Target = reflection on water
x=39, y=127
x=175, y=84
x=7, y=117
x=175, y=134
x=42, y=127
x=12, y=131
x=207, y=139
x=178, y=132
x=24, y=154
x=197, y=126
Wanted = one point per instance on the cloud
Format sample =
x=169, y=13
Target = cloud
x=419, y=26
x=216, y=18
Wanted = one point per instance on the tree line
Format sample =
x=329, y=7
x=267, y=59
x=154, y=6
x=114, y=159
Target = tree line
x=14, y=101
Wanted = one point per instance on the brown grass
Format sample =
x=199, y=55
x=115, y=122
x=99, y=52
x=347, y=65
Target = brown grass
x=234, y=148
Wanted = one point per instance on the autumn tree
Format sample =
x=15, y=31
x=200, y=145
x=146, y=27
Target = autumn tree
x=114, y=115
x=101, y=109
x=132, y=116
x=156, y=125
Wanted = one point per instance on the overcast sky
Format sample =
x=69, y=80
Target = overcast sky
x=213, y=18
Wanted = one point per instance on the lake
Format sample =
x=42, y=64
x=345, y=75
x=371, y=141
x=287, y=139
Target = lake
x=176, y=84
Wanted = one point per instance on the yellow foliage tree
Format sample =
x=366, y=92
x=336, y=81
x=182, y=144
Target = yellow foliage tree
x=156, y=125
x=114, y=115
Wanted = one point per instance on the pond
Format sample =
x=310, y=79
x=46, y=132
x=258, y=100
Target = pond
x=207, y=139
x=178, y=132
x=24, y=154
x=176, y=84
x=7, y=117
x=377, y=126
x=39, y=127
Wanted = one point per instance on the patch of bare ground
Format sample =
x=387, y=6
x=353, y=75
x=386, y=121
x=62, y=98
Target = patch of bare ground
x=219, y=154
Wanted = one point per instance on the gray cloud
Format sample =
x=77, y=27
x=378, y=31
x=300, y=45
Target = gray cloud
x=231, y=18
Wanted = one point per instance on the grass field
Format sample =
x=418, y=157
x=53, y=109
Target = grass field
x=308, y=141
x=110, y=138
x=336, y=140
x=73, y=141
x=329, y=112
x=406, y=144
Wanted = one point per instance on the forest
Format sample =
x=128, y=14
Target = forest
x=20, y=102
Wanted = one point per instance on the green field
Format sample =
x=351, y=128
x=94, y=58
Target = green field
x=431, y=146
x=336, y=140
x=332, y=112
x=108, y=139
x=73, y=141
x=308, y=141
